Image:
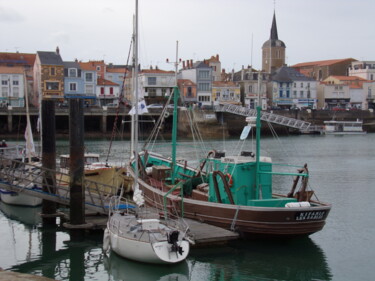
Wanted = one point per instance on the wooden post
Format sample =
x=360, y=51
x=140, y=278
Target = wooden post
x=49, y=158
x=76, y=172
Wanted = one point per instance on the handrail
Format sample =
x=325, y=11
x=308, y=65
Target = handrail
x=182, y=199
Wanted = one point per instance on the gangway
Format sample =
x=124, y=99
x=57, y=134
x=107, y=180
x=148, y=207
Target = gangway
x=34, y=180
x=265, y=116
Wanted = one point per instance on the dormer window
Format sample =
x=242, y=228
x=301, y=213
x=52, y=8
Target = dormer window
x=98, y=68
x=72, y=72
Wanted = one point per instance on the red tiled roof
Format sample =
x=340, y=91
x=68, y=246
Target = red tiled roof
x=322, y=62
x=186, y=82
x=11, y=69
x=117, y=70
x=155, y=71
x=20, y=58
x=104, y=82
x=223, y=84
x=348, y=78
x=89, y=66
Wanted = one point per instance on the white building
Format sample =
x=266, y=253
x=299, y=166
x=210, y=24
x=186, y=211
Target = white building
x=363, y=69
x=12, y=86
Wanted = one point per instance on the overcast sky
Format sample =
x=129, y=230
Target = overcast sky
x=234, y=29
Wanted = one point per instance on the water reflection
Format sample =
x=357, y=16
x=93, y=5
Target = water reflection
x=298, y=259
x=123, y=269
x=51, y=252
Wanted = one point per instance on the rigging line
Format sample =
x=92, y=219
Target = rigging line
x=121, y=97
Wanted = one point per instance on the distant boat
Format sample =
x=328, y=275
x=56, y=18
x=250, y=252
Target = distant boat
x=334, y=127
x=110, y=176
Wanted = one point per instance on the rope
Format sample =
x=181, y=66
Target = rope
x=121, y=97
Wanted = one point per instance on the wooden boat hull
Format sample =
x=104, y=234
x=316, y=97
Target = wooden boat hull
x=248, y=221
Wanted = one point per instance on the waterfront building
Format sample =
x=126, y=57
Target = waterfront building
x=199, y=73
x=291, y=89
x=215, y=64
x=73, y=82
x=13, y=81
x=117, y=74
x=107, y=92
x=48, y=77
x=350, y=92
x=226, y=92
x=363, y=69
x=252, y=83
x=273, y=50
x=89, y=76
x=188, y=91
x=320, y=70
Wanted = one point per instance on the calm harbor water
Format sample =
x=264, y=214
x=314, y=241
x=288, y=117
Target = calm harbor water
x=342, y=173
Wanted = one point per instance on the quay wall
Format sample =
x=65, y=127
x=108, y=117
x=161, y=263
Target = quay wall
x=99, y=122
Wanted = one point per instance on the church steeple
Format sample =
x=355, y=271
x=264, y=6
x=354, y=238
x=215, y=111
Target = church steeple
x=273, y=50
x=274, y=35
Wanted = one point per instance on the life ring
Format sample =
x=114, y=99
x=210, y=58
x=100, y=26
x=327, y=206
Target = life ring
x=166, y=114
x=229, y=179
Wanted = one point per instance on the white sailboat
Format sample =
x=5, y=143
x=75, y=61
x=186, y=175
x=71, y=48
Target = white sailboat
x=135, y=232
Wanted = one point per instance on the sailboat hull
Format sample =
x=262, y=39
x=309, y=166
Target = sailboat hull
x=133, y=241
x=20, y=199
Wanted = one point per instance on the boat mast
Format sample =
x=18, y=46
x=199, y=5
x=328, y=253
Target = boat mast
x=257, y=167
x=135, y=77
x=176, y=96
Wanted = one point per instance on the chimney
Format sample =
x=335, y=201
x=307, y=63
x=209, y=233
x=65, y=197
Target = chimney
x=217, y=56
x=183, y=65
x=242, y=72
x=191, y=63
x=58, y=50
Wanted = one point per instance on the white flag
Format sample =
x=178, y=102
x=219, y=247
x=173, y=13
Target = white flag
x=142, y=108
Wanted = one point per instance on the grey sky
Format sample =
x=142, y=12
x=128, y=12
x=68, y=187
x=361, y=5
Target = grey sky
x=101, y=29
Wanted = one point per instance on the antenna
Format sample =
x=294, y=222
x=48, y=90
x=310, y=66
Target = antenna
x=175, y=63
x=251, y=58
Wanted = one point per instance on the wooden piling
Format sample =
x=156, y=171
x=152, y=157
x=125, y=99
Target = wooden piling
x=49, y=158
x=76, y=142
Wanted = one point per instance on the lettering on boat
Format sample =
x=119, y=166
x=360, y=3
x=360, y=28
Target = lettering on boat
x=310, y=215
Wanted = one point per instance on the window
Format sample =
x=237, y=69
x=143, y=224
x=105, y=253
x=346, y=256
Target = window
x=204, y=74
x=151, y=80
x=189, y=92
x=203, y=86
x=111, y=90
x=372, y=77
x=151, y=92
x=73, y=86
x=301, y=85
x=287, y=93
x=102, y=90
x=89, y=77
x=301, y=94
x=295, y=94
x=72, y=72
x=52, y=86
x=15, y=82
x=52, y=71
x=98, y=68
x=294, y=85
x=4, y=82
x=250, y=89
x=281, y=93
x=89, y=89
x=4, y=91
x=16, y=92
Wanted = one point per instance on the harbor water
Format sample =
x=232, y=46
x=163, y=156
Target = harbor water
x=341, y=173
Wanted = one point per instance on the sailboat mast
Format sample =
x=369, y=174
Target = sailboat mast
x=176, y=95
x=135, y=77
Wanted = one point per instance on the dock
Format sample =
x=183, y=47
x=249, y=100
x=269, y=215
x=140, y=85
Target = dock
x=203, y=234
